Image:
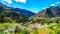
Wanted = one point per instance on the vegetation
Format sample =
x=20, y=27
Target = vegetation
x=13, y=22
x=53, y=28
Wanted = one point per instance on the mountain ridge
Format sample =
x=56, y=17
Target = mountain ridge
x=50, y=12
x=23, y=11
x=13, y=15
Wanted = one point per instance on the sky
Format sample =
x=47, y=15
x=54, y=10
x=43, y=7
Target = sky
x=32, y=5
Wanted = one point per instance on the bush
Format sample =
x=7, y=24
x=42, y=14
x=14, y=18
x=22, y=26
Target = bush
x=25, y=31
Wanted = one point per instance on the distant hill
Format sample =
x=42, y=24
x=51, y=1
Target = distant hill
x=23, y=11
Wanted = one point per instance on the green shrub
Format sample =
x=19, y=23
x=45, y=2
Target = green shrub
x=35, y=31
x=25, y=31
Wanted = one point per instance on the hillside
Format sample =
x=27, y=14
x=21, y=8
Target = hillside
x=49, y=14
x=14, y=14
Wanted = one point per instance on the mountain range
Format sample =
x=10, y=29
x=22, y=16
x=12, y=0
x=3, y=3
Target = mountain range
x=17, y=14
x=23, y=15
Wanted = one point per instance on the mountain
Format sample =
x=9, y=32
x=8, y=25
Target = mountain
x=23, y=11
x=47, y=15
x=14, y=14
x=50, y=12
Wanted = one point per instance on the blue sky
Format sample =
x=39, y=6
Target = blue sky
x=32, y=5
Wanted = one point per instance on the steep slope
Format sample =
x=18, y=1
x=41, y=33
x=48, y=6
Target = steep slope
x=47, y=15
x=10, y=14
x=49, y=12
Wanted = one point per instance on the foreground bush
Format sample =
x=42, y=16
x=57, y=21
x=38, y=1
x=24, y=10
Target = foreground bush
x=53, y=28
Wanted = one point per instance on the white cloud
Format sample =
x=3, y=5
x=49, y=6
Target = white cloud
x=45, y=7
x=52, y=5
x=23, y=1
x=57, y=2
x=9, y=1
